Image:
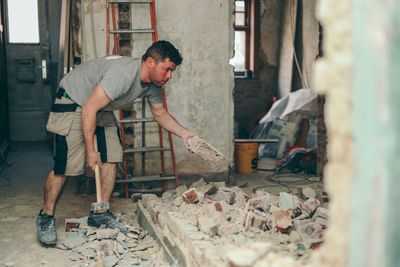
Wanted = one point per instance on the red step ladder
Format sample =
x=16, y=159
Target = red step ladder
x=143, y=149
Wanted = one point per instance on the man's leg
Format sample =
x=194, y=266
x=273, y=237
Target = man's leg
x=53, y=188
x=108, y=172
x=45, y=221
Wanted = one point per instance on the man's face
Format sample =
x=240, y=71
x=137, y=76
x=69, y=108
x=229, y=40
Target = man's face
x=161, y=72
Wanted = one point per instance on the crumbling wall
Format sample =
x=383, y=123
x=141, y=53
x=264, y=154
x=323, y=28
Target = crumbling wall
x=333, y=77
x=200, y=93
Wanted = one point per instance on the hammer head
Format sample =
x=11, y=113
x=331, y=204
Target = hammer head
x=100, y=206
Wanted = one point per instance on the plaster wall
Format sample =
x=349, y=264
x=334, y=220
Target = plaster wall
x=333, y=78
x=199, y=95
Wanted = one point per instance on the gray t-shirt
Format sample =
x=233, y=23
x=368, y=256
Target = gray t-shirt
x=118, y=76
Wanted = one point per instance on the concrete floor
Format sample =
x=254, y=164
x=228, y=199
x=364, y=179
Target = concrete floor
x=22, y=199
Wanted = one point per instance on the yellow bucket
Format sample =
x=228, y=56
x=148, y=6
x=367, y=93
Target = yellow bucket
x=246, y=155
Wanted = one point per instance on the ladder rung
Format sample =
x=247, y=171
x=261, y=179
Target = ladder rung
x=151, y=190
x=146, y=149
x=146, y=179
x=130, y=1
x=133, y=31
x=137, y=120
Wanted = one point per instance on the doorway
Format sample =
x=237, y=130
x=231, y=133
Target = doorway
x=28, y=76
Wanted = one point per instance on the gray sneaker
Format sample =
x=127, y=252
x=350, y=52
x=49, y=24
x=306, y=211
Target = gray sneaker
x=108, y=219
x=46, y=229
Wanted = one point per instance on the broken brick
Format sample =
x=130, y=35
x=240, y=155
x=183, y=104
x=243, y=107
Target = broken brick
x=311, y=205
x=218, y=206
x=282, y=219
x=71, y=223
x=191, y=196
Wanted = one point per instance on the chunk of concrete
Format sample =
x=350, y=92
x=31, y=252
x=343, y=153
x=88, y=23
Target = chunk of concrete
x=110, y=261
x=207, y=225
x=308, y=192
x=106, y=233
x=289, y=201
x=205, y=151
x=208, y=189
x=198, y=183
x=225, y=194
x=181, y=189
x=242, y=257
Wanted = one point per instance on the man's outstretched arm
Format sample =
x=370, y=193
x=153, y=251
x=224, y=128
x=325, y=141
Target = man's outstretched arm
x=162, y=116
x=98, y=100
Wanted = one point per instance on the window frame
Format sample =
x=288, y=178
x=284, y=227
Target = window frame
x=251, y=29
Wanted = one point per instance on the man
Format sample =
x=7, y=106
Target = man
x=83, y=108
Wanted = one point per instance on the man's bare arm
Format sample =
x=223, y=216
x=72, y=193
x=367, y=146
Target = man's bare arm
x=165, y=119
x=98, y=100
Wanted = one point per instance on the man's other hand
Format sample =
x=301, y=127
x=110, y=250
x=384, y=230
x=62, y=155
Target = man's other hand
x=93, y=159
x=186, y=136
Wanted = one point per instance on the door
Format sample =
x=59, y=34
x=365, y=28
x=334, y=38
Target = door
x=29, y=90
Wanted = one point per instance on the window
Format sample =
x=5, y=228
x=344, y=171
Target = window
x=23, y=21
x=245, y=27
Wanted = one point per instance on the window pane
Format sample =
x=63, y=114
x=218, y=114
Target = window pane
x=239, y=60
x=23, y=23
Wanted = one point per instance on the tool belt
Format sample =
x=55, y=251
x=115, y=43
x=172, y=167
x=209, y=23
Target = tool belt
x=62, y=114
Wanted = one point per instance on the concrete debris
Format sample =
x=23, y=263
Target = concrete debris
x=180, y=190
x=205, y=151
x=198, y=183
x=308, y=192
x=219, y=224
x=311, y=205
x=90, y=246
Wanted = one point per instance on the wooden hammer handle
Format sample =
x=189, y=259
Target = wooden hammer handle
x=97, y=175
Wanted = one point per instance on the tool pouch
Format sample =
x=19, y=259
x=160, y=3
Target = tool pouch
x=61, y=116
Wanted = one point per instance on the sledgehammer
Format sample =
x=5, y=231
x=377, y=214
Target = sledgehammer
x=99, y=206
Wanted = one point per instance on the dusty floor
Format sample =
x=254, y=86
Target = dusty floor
x=21, y=200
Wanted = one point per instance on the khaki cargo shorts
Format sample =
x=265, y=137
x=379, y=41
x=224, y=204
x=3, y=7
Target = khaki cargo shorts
x=70, y=152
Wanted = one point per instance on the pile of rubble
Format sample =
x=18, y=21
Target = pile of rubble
x=90, y=246
x=214, y=225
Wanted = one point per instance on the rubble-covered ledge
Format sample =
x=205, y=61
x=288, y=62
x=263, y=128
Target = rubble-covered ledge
x=210, y=224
